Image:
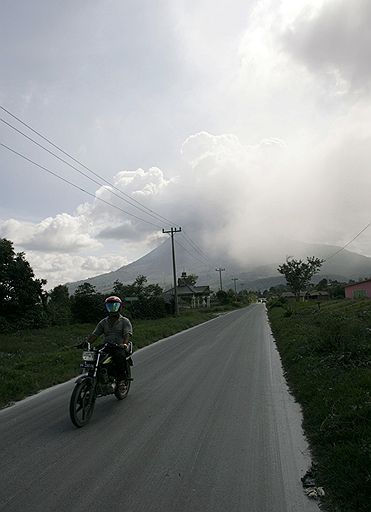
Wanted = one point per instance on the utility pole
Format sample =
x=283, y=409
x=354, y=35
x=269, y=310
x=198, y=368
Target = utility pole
x=235, y=287
x=171, y=233
x=220, y=270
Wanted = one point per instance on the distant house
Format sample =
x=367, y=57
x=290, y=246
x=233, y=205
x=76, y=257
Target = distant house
x=318, y=295
x=312, y=295
x=190, y=296
x=292, y=296
x=361, y=290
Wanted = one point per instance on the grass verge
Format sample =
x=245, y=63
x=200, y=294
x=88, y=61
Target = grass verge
x=326, y=357
x=37, y=359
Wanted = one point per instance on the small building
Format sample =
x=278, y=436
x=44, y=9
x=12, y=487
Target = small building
x=360, y=290
x=318, y=295
x=291, y=296
x=315, y=295
x=189, y=296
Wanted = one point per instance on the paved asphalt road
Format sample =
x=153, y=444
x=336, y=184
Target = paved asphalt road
x=208, y=426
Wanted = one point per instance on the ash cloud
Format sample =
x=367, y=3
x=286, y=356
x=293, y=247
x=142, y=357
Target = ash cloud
x=337, y=40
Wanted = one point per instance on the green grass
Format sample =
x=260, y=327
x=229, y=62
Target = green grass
x=37, y=359
x=326, y=354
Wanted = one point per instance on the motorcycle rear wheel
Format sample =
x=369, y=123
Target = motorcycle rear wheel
x=82, y=403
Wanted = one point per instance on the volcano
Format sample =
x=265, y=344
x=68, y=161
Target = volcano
x=157, y=267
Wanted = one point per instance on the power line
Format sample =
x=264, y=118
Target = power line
x=144, y=209
x=348, y=243
x=195, y=246
x=200, y=257
x=172, y=231
x=192, y=255
x=78, y=170
x=76, y=186
x=75, y=160
x=188, y=239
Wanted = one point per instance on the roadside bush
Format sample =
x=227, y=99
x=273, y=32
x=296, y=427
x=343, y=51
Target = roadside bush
x=222, y=297
x=342, y=341
x=151, y=308
x=326, y=355
x=277, y=302
x=4, y=325
x=87, y=306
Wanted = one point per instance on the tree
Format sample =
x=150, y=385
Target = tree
x=322, y=285
x=222, y=296
x=137, y=289
x=140, y=283
x=59, y=306
x=336, y=289
x=87, y=305
x=153, y=290
x=22, y=298
x=247, y=296
x=278, y=290
x=121, y=290
x=85, y=289
x=149, y=303
x=299, y=273
x=191, y=279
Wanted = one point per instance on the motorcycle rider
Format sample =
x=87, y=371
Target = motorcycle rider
x=116, y=330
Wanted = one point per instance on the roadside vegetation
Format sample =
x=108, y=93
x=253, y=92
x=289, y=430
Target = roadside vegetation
x=326, y=353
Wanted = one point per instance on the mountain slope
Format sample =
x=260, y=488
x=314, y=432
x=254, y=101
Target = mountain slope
x=157, y=267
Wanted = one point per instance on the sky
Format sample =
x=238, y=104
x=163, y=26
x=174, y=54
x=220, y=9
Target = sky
x=245, y=122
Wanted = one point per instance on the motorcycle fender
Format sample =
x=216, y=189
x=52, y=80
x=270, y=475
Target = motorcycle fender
x=83, y=377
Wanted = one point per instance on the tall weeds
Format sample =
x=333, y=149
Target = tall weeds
x=326, y=354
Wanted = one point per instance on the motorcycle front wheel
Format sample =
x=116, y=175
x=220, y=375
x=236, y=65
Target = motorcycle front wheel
x=82, y=403
x=122, y=389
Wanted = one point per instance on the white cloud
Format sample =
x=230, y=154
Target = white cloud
x=202, y=146
x=66, y=267
x=58, y=247
x=142, y=183
x=61, y=233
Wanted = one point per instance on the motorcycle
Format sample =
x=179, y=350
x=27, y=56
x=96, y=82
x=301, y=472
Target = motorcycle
x=98, y=379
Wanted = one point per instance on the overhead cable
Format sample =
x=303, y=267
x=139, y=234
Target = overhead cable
x=194, y=245
x=350, y=241
x=130, y=200
x=73, y=167
x=76, y=186
x=78, y=162
x=192, y=255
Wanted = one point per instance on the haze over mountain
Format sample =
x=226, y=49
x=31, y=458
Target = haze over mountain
x=157, y=267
